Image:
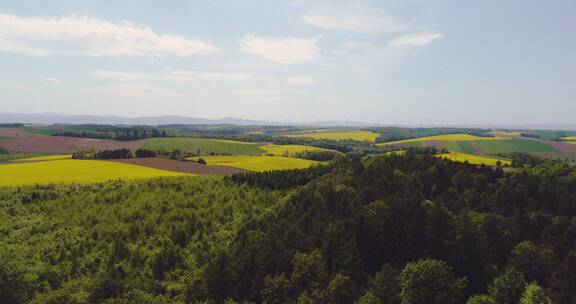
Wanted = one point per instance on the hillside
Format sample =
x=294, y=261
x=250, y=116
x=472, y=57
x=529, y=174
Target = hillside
x=360, y=231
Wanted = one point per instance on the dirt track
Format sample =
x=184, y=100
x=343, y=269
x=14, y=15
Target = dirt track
x=21, y=141
x=180, y=166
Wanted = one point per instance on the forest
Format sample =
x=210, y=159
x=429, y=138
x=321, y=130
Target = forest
x=410, y=229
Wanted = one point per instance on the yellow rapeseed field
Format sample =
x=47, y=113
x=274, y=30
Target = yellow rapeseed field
x=473, y=159
x=73, y=171
x=358, y=135
x=281, y=150
x=445, y=137
x=258, y=163
x=571, y=138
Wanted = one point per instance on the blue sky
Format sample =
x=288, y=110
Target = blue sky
x=407, y=61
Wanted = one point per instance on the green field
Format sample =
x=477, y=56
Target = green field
x=258, y=163
x=74, y=171
x=514, y=145
x=43, y=158
x=11, y=157
x=359, y=135
x=291, y=150
x=445, y=138
x=204, y=146
x=473, y=159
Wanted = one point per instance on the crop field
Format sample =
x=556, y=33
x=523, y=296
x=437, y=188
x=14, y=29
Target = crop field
x=358, y=135
x=74, y=171
x=570, y=138
x=24, y=142
x=12, y=157
x=44, y=158
x=473, y=159
x=515, y=145
x=445, y=137
x=280, y=150
x=258, y=163
x=204, y=146
x=512, y=134
x=179, y=166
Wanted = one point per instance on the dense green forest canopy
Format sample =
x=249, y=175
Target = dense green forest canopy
x=409, y=229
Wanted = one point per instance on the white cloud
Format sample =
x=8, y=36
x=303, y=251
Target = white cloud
x=303, y=81
x=355, y=17
x=226, y=76
x=11, y=85
x=173, y=76
x=122, y=76
x=255, y=92
x=281, y=50
x=415, y=40
x=50, y=81
x=86, y=36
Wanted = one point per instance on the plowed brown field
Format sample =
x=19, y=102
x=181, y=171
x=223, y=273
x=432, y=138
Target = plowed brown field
x=21, y=141
x=180, y=166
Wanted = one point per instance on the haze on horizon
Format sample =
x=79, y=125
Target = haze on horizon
x=507, y=62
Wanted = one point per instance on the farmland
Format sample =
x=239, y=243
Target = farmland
x=512, y=134
x=258, y=163
x=204, y=146
x=12, y=157
x=515, y=145
x=43, y=158
x=446, y=137
x=24, y=142
x=74, y=171
x=290, y=150
x=358, y=135
x=179, y=166
x=569, y=138
x=473, y=159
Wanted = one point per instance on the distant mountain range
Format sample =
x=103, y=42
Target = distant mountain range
x=54, y=118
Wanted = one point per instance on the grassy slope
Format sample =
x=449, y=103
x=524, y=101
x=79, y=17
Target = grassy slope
x=473, y=159
x=279, y=150
x=447, y=137
x=206, y=146
x=44, y=157
x=73, y=171
x=359, y=135
x=466, y=147
x=40, y=131
x=10, y=157
x=259, y=163
x=515, y=145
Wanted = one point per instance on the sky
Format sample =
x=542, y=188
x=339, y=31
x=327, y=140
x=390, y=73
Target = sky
x=403, y=61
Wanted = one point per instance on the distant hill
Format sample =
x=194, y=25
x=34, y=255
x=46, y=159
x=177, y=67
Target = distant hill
x=55, y=118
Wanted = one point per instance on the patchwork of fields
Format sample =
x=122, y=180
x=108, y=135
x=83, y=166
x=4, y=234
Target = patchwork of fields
x=224, y=157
